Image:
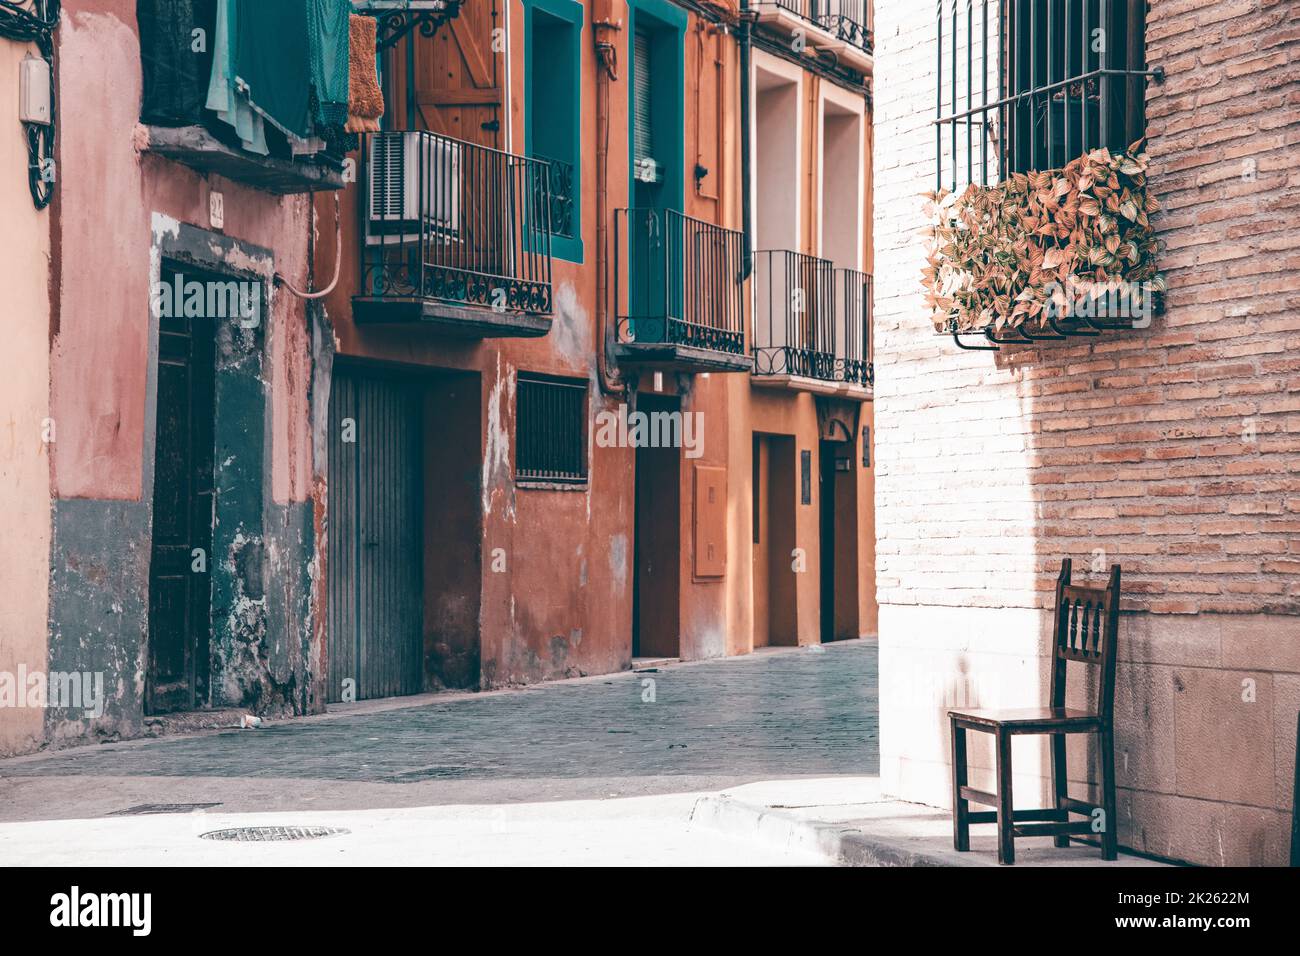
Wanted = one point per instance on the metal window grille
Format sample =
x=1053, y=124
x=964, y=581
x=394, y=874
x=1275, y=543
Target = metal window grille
x=550, y=430
x=1032, y=84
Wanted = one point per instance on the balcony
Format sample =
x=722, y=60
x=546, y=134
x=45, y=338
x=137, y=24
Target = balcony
x=812, y=325
x=457, y=237
x=680, y=292
x=840, y=27
x=193, y=112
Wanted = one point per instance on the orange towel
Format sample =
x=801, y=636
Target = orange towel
x=365, y=99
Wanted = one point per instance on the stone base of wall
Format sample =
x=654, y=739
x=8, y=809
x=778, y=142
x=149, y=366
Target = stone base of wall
x=1205, y=721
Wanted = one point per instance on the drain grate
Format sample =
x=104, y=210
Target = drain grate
x=267, y=834
x=162, y=808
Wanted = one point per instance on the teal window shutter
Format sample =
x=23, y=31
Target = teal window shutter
x=553, y=112
x=643, y=128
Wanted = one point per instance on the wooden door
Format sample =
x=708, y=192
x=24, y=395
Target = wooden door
x=180, y=594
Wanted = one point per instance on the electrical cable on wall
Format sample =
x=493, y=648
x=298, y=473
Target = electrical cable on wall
x=338, y=255
x=34, y=21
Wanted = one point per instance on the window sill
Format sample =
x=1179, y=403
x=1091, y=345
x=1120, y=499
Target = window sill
x=534, y=485
x=567, y=248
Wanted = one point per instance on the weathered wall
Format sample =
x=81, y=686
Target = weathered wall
x=120, y=210
x=562, y=606
x=24, y=395
x=1174, y=449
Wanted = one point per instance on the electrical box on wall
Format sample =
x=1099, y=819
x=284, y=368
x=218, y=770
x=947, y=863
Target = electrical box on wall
x=710, y=521
x=34, y=91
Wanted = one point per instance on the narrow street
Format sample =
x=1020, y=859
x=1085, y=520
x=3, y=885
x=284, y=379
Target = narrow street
x=644, y=750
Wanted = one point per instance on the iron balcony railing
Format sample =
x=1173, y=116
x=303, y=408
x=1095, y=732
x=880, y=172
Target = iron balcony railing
x=853, y=357
x=811, y=319
x=455, y=222
x=683, y=283
x=845, y=19
x=562, y=198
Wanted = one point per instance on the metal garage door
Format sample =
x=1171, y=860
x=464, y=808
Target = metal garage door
x=376, y=592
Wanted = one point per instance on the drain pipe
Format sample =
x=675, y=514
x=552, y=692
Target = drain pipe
x=745, y=29
x=604, y=29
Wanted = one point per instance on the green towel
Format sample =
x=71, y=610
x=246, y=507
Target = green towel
x=273, y=61
x=328, y=25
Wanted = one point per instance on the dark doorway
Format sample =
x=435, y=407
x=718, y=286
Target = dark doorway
x=656, y=589
x=453, y=531
x=180, y=561
x=376, y=534
x=826, y=501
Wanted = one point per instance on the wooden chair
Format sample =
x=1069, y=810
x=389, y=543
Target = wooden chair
x=1085, y=627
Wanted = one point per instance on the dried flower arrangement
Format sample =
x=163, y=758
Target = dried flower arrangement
x=1044, y=250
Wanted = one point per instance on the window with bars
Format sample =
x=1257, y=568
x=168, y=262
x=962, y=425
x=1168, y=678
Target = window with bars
x=550, y=430
x=1032, y=84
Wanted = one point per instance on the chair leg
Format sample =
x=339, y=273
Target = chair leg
x=960, y=807
x=1060, y=786
x=1110, y=819
x=1006, y=840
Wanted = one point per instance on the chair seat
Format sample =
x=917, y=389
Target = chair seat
x=1026, y=720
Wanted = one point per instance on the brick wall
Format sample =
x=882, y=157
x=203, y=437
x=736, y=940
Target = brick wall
x=1173, y=450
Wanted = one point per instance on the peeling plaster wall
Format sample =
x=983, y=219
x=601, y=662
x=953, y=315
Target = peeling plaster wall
x=121, y=211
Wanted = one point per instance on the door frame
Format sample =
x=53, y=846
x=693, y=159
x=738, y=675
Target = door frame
x=242, y=533
x=197, y=614
x=412, y=379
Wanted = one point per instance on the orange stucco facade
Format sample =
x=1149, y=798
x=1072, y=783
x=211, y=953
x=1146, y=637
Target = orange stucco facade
x=558, y=600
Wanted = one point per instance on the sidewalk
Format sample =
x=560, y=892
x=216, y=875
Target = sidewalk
x=846, y=821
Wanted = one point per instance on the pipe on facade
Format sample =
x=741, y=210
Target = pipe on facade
x=744, y=30
x=338, y=253
x=606, y=72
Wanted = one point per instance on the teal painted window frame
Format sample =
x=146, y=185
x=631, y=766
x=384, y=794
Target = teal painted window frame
x=659, y=16
x=569, y=248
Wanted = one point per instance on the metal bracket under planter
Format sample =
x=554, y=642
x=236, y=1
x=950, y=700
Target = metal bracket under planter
x=1089, y=328
x=195, y=147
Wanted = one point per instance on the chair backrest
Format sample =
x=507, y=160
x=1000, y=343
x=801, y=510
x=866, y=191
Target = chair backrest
x=1085, y=629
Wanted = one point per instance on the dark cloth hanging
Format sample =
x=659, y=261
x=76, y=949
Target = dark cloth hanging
x=273, y=60
x=175, y=60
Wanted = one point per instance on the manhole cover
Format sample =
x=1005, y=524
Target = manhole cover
x=263, y=834
x=162, y=808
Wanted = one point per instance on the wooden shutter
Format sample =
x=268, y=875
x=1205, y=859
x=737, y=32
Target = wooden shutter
x=457, y=77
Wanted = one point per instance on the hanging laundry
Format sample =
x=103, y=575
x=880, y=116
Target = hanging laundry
x=328, y=41
x=230, y=105
x=174, y=73
x=273, y=62
x=365, y=98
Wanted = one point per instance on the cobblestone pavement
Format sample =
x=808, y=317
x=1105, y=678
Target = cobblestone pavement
x=787, y=713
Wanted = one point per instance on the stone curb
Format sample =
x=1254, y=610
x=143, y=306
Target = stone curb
x=837, y=844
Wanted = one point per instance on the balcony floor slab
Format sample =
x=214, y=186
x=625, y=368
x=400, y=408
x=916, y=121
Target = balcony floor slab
x=682, y=358
x=800, y=383
x=455, y=321
x=195, y=147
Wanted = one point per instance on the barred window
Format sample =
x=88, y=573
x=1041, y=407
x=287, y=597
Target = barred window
x=550, y=430
x=1032, y=84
